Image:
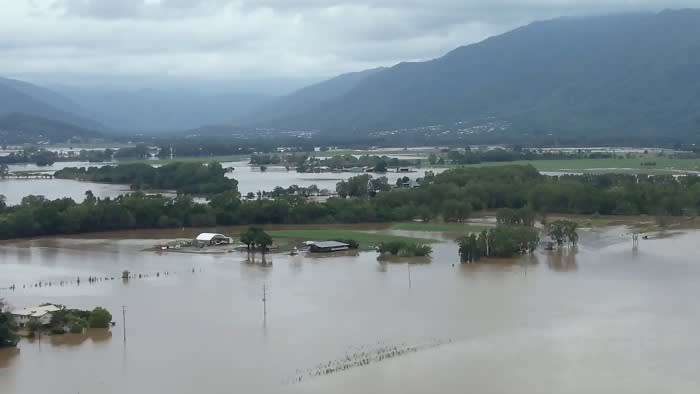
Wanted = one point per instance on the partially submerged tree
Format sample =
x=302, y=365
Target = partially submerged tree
x=562, y=231
x=99, y=318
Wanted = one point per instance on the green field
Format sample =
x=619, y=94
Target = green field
x=622, y=164
x=439, y=227
x=209, y=159
x=366, y=239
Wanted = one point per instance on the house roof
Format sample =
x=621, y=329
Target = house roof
x=329, y=244
x=209, y=236
x=37, y=311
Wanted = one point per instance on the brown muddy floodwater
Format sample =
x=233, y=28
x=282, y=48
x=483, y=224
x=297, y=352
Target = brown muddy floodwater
x=603, y=319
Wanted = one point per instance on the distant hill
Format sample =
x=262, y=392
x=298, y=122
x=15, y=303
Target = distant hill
x=161, y=110
x=18, y=128
x=307, y=99
x=632, y=74
x=22, y=97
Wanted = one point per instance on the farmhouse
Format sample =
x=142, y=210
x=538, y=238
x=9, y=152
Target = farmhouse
x=209, y=239
x=327, y=246
x=43, y=313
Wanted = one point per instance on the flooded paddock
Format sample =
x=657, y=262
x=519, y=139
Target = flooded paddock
x=603, y=318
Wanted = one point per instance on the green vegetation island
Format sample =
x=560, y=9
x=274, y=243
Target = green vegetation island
x=453, y=196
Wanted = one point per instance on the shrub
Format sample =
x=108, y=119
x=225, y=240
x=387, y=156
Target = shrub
x=405, y=248
x=77, y=326
x=100, y=318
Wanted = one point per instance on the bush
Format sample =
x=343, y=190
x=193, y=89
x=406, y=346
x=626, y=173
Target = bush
x=77, y=326
x=100, y=318
x=405, y=248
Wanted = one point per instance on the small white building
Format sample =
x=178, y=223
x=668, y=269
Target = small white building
x=208, y=239
x=43, y=313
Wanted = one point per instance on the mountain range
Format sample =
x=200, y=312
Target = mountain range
x=627, y=74
x=632, y=74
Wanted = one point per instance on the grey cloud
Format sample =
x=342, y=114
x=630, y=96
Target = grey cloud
x=250, y=39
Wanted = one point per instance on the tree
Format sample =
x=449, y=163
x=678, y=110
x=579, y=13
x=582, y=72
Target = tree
x=248, y=237
x=8, y=336
x=99, y=318
x=432, y=159
x=563, y=230
x=263, y=240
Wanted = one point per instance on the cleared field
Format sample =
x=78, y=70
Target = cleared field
x=438, y=227
x=633, y=165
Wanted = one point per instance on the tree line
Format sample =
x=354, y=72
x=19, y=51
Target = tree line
x=183, y=177
x=452, y=195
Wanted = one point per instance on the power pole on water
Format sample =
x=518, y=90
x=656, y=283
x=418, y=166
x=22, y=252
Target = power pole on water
x=124, y=321
x=264, y=300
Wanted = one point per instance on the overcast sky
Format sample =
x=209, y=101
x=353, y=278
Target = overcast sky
x=73, y=40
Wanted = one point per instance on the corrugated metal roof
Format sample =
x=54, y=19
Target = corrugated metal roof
x=37, y=311
x=329, y=244
x=209, y=236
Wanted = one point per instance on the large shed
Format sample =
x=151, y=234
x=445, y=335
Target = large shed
x=327, y=246
x=207, y=239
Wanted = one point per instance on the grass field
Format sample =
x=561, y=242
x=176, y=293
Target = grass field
x=632, y=165
x=366, y=239
x=438, y=227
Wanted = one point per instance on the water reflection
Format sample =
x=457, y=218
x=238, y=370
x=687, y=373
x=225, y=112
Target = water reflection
x=7, y=356
x=93, y=335
x=562, y=259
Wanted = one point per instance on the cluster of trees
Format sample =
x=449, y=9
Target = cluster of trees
x=184, y=177
x=295, y=159
x=452, y=194
x=256, y=238
x=362, y=186
x=562, y=231
x=40, y=157
x=44, y=157
x=404, y=248
x=8, y=334
x=140, y=151
x=375, y=163
x=501, y=241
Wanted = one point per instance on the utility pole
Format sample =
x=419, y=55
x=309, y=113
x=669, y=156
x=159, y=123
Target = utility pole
x=124, y=321
x=264, y=300
x=409, y=274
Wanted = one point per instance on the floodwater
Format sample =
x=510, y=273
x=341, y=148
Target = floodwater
x=16, y=189
x=603, y=319
x=250, y=179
